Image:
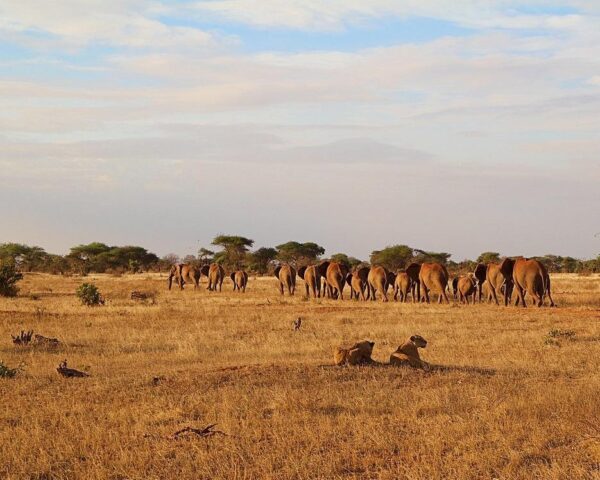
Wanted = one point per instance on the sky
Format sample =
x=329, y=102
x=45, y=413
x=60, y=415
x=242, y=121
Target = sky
x=461, y=126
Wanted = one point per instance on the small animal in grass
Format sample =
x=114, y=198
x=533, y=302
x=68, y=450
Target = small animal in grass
x=407, y=354
x=297, y=324
x=65, y=371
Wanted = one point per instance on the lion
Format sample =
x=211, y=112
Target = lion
x=407, y=354
x=359, y=353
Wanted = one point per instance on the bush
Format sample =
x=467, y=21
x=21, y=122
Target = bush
x=89, y=294
x=9, y=276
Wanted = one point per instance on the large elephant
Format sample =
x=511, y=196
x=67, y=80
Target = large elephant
x=499, y=284
x=184, y=273
x=529, y=276
x=286, y=275
x=358, y=282
x=216, y=275
x=378, y=282
x=312, y=280
x=432, y=276
x=413, y=271
x=334, y=274
x=240, y=280
x=402, y=285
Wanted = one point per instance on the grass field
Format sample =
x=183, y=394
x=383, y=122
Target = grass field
x=513, y=400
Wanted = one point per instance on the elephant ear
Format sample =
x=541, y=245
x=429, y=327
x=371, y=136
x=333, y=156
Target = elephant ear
x=301, y=271
x=363, y=273
x=245, y=276
x=349, y=279
x=232, y=276
x=480, y=272
x=322, y=267
x=277, y=270
x=413, y=271
x=506, y=267
x=204, y=270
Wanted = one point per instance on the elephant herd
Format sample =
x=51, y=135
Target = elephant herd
x=327, y=279
x=184, y=273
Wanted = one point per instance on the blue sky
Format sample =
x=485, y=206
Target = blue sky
x=459, y=127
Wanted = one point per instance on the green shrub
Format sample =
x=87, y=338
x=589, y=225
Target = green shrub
x=9, y=276
x=89, y=294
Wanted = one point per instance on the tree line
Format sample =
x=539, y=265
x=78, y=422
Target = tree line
x=236, y=252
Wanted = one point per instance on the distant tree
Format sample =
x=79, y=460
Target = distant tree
x=171, y=259
x=344, y=259
x=26, y=258
x=189, y=259
x=395, y=257
x=9, y=276
x=299, y=253
x=205, y=255
x=431, y=257
x=234, y=250
x=488, y=257
x=259, y=260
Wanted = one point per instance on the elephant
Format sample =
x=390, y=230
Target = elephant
x=286, y=275
x=480, y=274
x=378, y=281
x=487, y=292
x=240, y=280
x=499, y=284
x=431, y=276
x=182, y=273
x=358, y=282
x=312, y=280
x=334, y=274
x=467, y=287
x=402, y=285
x=216, y=275
x=413, y=271
x=455, y=288
x=529, y=276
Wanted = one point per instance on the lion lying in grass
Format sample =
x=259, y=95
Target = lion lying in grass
x=407, y=354
x=357, y=354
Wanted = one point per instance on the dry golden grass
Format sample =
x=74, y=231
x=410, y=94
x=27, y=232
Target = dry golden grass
x=512, y=402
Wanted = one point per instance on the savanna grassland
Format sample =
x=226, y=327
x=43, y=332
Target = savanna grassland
x=516, y=393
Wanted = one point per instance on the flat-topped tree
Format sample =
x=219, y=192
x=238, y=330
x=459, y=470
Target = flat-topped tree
x=296, y=252
x=234, y=250
x=394, y=257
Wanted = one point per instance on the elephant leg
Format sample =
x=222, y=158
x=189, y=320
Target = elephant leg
x=426, y=294
x=281, y=288
x=493, y=294
x=384, y=297
x=520, y=295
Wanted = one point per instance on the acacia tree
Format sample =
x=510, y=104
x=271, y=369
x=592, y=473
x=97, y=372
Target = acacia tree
x=488, y=257
x=299, y=253
x=259, y=260
x=393, y=258
x=344, y=259
x=234, y=250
